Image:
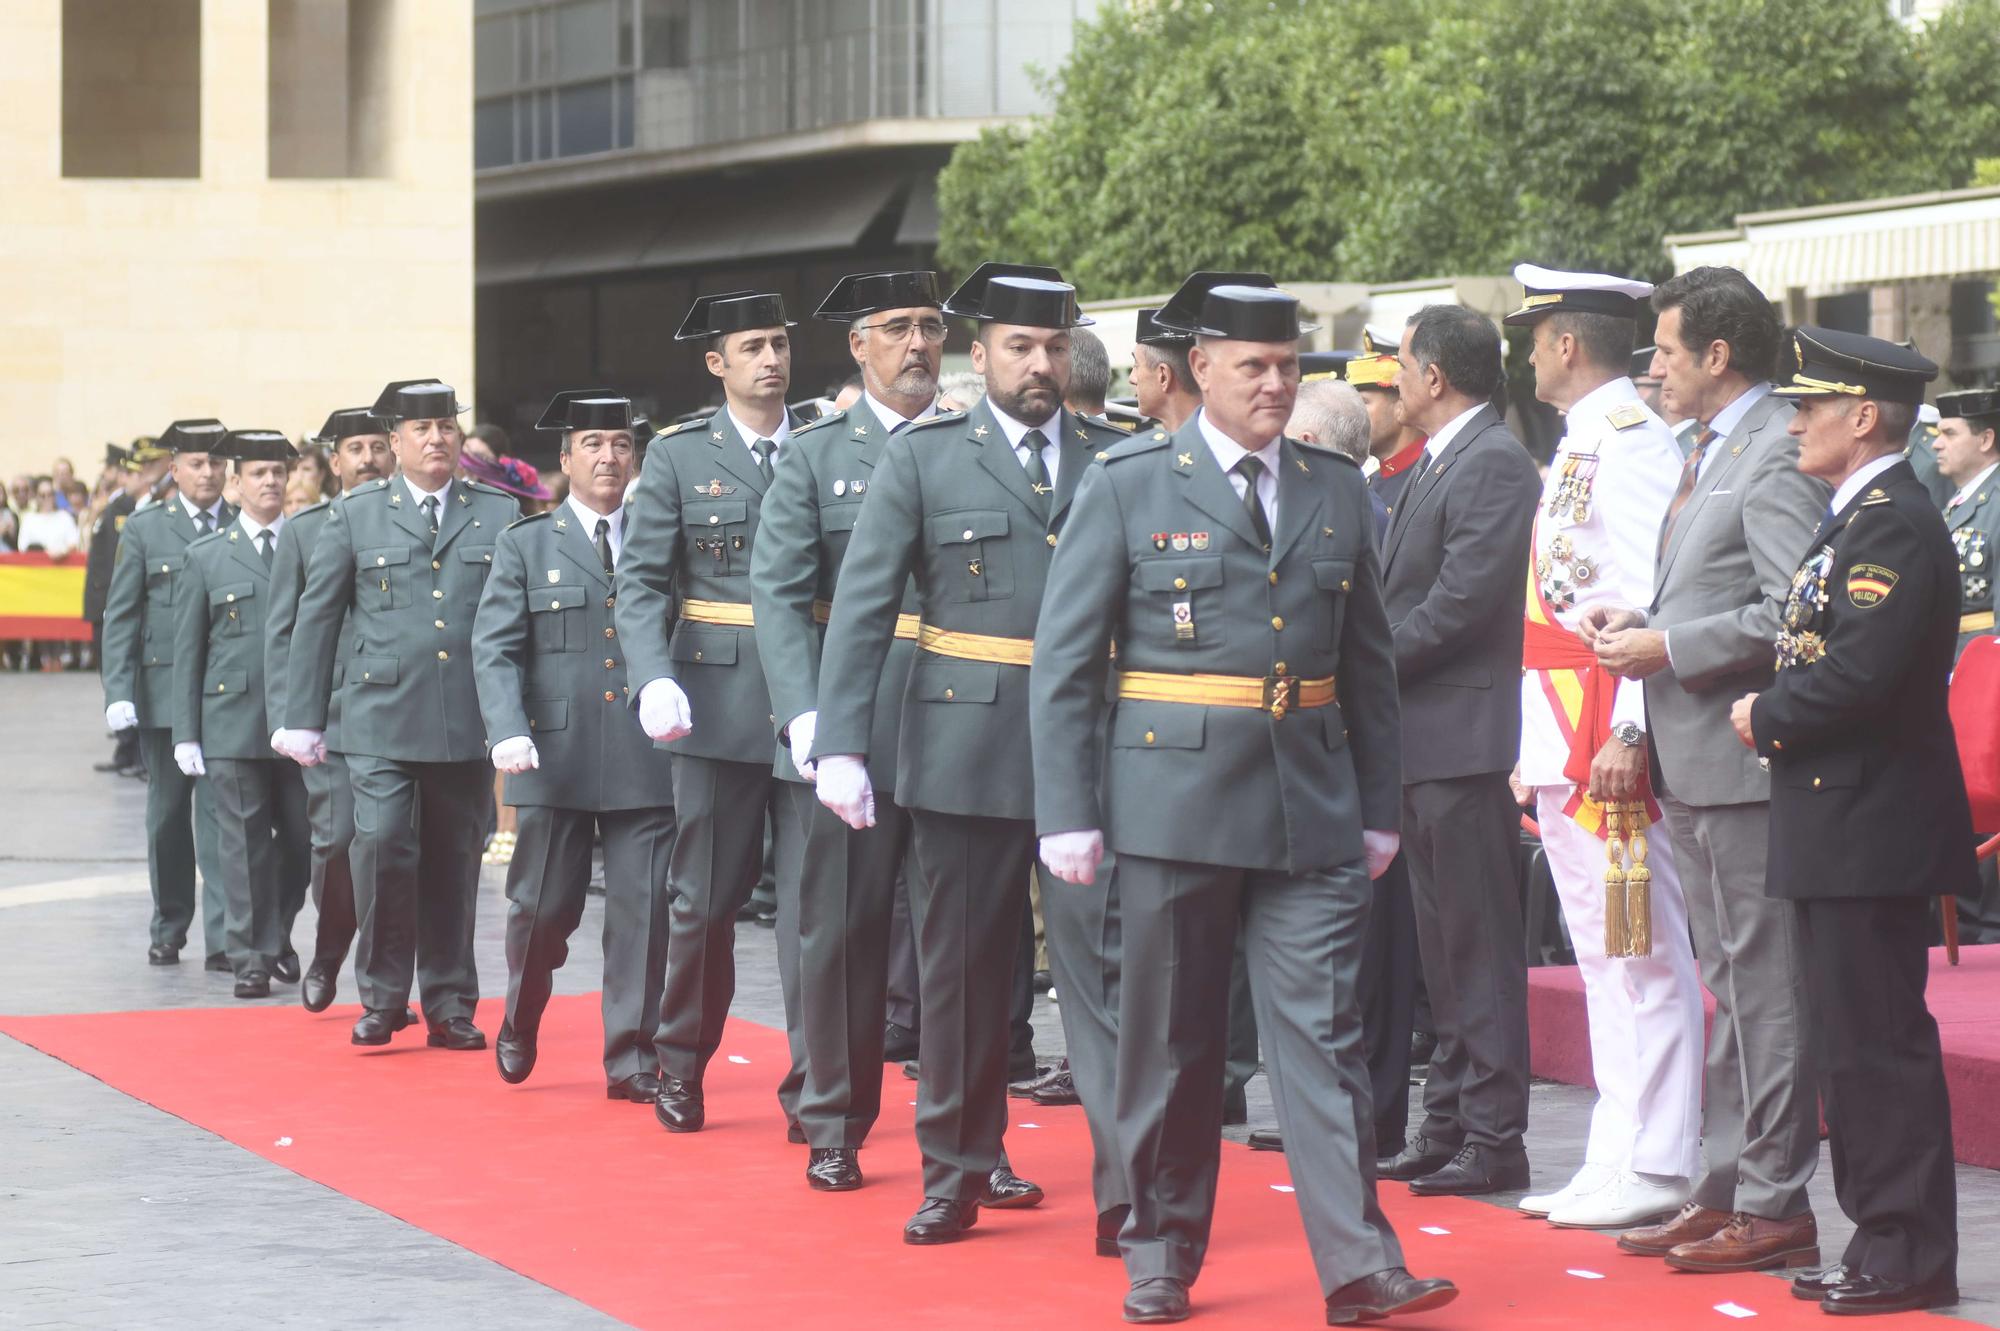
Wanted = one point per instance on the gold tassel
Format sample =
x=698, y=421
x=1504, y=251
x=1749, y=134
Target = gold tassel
x=1617, y=932
x=1639, y=886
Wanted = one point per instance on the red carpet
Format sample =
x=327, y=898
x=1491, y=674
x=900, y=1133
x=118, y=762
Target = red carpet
x=1964, y=998
x=718, y=1230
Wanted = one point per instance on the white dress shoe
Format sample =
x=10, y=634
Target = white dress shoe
x=1587, y=1180
x=1625, y=1201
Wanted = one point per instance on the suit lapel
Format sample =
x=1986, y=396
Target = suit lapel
x=1423, y=485
x=1077, y=454
x=579, y=545
x=1710, y=480
x=457, y=513
x=402, y=504
x=244, y=550
x=1298, y=499
x=1000, y=461
x=732, y=451
x=1207, y=488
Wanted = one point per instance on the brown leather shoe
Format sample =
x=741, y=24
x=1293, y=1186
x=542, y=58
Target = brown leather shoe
x=1694, y=1223
x=1752, y=1243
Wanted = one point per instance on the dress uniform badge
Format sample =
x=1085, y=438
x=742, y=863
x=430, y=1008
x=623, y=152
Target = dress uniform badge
x=1799, y=644
x=555, y=575
x=839, y=489
x=1159, y=540
x=1561, y=571
x=859, y=487
x=715, y=489
x=1183, y=621
x=1199, y=540
x=1974, y=553
x=1180, y=541
x=1869, y=585
x=1573, y=490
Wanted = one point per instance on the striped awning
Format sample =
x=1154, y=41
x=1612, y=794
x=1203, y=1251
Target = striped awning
x=1950, y=234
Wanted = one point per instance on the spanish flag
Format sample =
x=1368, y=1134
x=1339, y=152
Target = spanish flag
x=41, y=599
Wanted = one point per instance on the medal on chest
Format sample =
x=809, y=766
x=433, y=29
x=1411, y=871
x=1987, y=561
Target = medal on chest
x=1560, y=571
x=1974, y=553
x=1575, y=478
x=1798, y=642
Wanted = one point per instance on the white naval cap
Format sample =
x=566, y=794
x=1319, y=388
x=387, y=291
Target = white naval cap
x=1552, y=291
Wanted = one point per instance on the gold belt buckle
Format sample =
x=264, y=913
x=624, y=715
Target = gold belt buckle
x=1279, y=693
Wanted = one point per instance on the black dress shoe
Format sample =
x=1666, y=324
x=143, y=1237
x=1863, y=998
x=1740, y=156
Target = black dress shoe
x=1044, y=981
x=514, y=1055
x=899, y=1043
x=458, y=1033
x=641, y=1088
x=1476, y=1170
x=1384, y=1294
x=1157, y=1299
x=1814, y=1286
x=285, y=969
x=378, y=1024
x=910, y=1069
x=163, y=954
x=317, y=988
x=1235, y=1107
x=940, y=1220
x=1109, y=1223
x=1422, y=1156
x=833, y=1169
x=1868, y=1296
x=253, y=984
x=1267, y=1139
x=1057, y=1090
x=679, y=1108
x=218, y=962
x=1422, y=1045
x=1008, y=1191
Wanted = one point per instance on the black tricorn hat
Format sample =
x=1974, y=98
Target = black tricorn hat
x=860, y=294
x=348, y=422
x=196, y=435
x=417, y=400
x=114, y=456
x=1837, y=364
x=1148, y=332
x=587, y=409
x=732, y=312
x=1970, y=403
x=1031, y=295
x=1244, y=307
x=256, y=446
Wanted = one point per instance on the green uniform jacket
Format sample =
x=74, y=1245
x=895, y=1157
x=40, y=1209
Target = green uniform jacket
x=288, y=583
x=950, y=503
x=689, y=532
x=139, y=614
x=1975, y=536
x=1208, y=784
x=808, y=520
x=548, y=663
x=219, y=619
x=409, y=695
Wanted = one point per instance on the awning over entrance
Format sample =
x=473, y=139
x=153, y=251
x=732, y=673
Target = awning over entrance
x=1952, y=233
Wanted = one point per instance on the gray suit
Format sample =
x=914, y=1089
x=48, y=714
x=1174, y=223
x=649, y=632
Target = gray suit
x=1453, y=581
x=139, y=669
x=546, y=659
x=1722, y=576
x=219, y=703
x=1226, y=816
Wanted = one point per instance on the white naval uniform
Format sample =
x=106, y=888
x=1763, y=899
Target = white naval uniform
x=1645, y=1012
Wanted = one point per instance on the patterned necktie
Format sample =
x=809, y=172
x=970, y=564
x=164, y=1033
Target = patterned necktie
x=1038, y=469
x=603, y=543
x=430, y=508
x=1690, y=472
x=264, y=546
x=1250, y=468
x=764, y=448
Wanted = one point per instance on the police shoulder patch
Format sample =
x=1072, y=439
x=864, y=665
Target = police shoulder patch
x=1626, y=416
x=1869, y=585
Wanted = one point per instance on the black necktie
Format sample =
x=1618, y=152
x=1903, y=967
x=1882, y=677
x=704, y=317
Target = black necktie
x=264, y=546
x=1038, y=470
x=763, y=448
x=1250, y=468
x=430, y=508
x=204, y=524
x=603, y=543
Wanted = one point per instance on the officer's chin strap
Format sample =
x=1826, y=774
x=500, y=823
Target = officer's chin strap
x=1628, y=883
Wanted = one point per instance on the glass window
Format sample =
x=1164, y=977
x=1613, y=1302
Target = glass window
x=583, y=119
x=493, y=67
x=624, y=111
x=586, y=39
x=663, y=34
x=545, y=125
x=493, y=132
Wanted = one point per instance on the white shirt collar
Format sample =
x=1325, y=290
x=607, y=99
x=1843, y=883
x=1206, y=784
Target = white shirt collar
x=1853, y=485
x=589, y=517
x=1051, y=428
x=890, y=420
x=252, y=528
x=1228, y=452
x=1440, y=441
x=1965, y=491
x=214, y=511
x=420, y=494
x=1731, y=416
x=781, y=436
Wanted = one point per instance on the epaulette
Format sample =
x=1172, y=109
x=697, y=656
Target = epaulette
x=528, y=517
x=481, y=487
x=365, y=488
x=682, y=428
x=215, y=535
x=1322, y=451
x=1876, y=496
x=309, y=508
x=1105, y=422
x=1626, y=416
x=1133, y=445
x=816, y=422
x=942, y=418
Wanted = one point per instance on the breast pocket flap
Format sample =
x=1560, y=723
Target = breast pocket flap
x=476, y=554
x=703, y=644
x=230, y=595
x=384, y=556
x=372, y=670
x=715, y=512
x=970, y=525
x=541, y=600
x=222, y=683
x=957, y=681
x=1158, y=726
x=1180, y=575
x=839, y=517
x=1333, y=575
x=547, y=713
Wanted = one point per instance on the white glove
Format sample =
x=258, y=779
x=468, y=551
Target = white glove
x=307, y=748
x=663, y=711
x=121, y=716
x=800, y=733
x=844, y=788
x=1381, y=848
x=515, y=755
x=187, y=757
x=1074, y=856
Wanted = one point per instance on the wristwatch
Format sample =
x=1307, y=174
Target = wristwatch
x=1628, y=734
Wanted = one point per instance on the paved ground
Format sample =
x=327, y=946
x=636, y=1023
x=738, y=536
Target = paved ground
x=114, y=1214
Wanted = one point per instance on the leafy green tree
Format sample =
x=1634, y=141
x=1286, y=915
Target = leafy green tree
x=1957, y=111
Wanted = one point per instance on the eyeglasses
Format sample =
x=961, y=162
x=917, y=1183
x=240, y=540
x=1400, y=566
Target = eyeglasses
x=900, y=329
